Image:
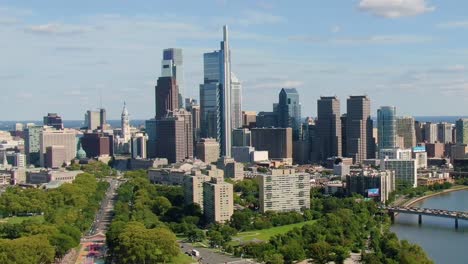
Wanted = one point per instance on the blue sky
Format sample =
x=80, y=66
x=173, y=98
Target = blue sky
x=58, y=56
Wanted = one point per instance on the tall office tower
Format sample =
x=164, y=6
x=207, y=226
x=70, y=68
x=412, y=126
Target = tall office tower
x=289, y=110
x=52, y=137
x=277, y=141
x=174, y=136
x=215, y=96
x=208, y=150
x=386, y=127
x=266, y=119
x=249, y=119
x=236, y=99
x=405, y=129
x=419, y=131
x=167, y=96
x=430, y=132
x=138, y=146
x=193, y=188
x=359, y=128
x=97, y=144
x=344, y=143
x=283, y=190
x=150, y=129
x=241, y=138
x=53, y=120
x=329, y=127
x=172, y=66
x=32, y=146
x=218, y=200
x=96, y=119
x=125, y=124
x=444, y=132
x=462, y=131
x=194, y=108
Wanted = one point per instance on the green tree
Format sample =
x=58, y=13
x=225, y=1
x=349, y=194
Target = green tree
x=320, y=252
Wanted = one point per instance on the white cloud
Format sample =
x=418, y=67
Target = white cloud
x=276, y=85
x=57, y=29
x=395, y=8
x=384, y=39
x=454, y=24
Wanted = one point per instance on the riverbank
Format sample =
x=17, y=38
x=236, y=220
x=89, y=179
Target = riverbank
x=418, y=199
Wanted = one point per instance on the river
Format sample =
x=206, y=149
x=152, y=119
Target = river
x=438, y=236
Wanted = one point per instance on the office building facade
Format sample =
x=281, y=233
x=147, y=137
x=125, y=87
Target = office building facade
x=329, y=127
x=289, y=110
x=172, y=66
x=52, y=137
x=277, y=141
x=359, y=140
x=462, y=131
x=167, y=96
x=208, y=150
x=53, y=120
x=405, y=129
x=386, y=127
x=174, y=136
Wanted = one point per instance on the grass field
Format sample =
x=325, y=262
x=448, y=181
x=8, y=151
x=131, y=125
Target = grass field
x=265, y=234
x=20, y=219
x=183, y=259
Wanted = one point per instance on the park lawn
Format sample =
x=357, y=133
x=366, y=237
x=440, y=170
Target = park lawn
x=20, y=219
x=183, y=259
x=266, y=234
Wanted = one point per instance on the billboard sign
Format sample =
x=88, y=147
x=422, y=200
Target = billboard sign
x=373, y=192
x=419, y=149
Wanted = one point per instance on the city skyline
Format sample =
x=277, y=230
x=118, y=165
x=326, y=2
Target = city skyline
x=73, y=53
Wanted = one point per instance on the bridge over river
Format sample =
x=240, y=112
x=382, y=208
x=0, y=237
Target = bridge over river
x=456, y=215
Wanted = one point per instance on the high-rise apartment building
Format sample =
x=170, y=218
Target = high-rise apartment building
x=32, y=146
x=289, y=110
x=405, y=129
x=430, y=132
x=193, y=188
x=53, y=120
x=208, y=150
x=218, y=200
x=361, y=183
x=52, y=137
x=172, y=66
x=216, y=96
x=174, y=136
x=283, y=190
x=444, y=132
x=359, y=140
x=329, y=127
x=386, y=127
x=405, y=170
x=462, y=131
x=277, y=141
x=167, y=96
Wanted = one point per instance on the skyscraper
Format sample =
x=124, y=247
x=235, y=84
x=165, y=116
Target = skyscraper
x=215, y=96
x=96, y=119
x=172, y=66
x=328, y=127
x=236, y=98
x=405, y=129
x=174, y=136
x=167, y=96
x=386, y=127
x=462, y=131
x=430, y=132
x=277, y=141
x=444, y=132
x=53, y=120
x=359, y=128
x=289, y=110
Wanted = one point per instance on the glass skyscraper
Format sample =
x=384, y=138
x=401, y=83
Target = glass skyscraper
x=289, y=110
x=386, y=127
x=172, y=66
x=216, y=101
